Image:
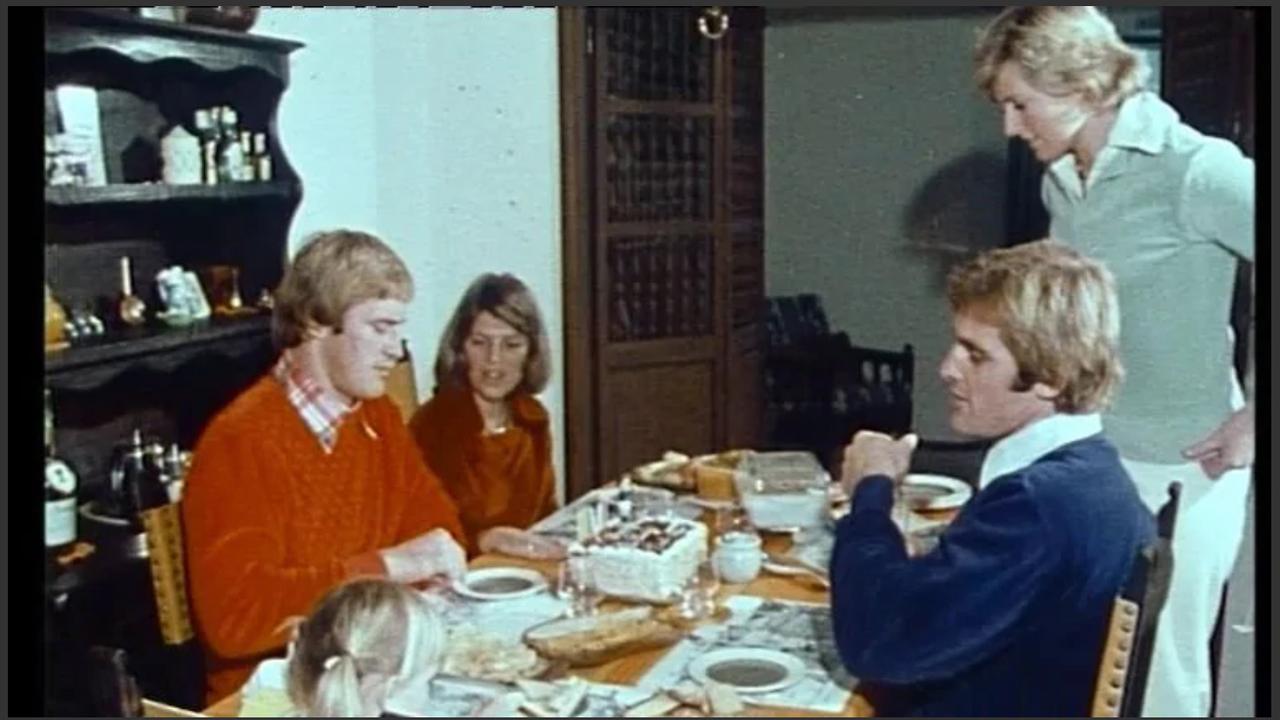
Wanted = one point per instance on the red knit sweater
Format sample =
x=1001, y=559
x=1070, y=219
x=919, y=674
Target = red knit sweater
x=495, y=480
x=272, y=522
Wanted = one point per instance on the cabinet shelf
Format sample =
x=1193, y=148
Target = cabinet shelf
x=148, y=41
x=80, y=195
x=163, y=348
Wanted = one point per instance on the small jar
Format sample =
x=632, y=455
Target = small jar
x=738, y=557
x=180, y=151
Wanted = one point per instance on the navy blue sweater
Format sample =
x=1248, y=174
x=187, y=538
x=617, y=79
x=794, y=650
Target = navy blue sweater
x=1006, y=616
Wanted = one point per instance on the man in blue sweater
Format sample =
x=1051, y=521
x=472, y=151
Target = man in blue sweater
x=1007, y=614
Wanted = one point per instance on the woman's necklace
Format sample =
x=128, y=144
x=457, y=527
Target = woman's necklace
x=497, y=426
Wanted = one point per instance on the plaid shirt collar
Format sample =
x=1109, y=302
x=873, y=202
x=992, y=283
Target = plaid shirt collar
x=321, y=411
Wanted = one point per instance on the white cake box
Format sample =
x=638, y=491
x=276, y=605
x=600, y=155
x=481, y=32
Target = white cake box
x=783, y=491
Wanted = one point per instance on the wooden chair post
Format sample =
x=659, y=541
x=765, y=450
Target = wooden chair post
x=1126, y=652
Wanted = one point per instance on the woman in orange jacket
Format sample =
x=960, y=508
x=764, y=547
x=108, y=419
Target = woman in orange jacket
x=483, y=433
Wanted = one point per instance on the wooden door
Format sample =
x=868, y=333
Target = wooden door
x=1208, y=59
x=1208, y=76
x=664, y=235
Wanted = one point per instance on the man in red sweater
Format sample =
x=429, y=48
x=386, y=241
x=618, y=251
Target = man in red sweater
x=310, y=477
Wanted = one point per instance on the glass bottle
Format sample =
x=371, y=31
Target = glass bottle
x=207, y=131
x=142, y=482
x=245, y=171
x=60, y=484
x=261, y=158
x=230, y=152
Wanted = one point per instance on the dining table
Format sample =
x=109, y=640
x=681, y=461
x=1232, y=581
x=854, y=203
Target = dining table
x=629, y=668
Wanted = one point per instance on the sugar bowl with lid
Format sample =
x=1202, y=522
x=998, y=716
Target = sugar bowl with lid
x=737, y=556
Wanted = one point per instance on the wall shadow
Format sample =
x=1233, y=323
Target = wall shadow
x=958, y=212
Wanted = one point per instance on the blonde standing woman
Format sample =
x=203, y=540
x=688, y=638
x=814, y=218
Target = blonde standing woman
x=1171, y=212
x=368, y=644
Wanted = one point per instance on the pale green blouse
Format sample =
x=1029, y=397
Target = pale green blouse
x=1169, y=210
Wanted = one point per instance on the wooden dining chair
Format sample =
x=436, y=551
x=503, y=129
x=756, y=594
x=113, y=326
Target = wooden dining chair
x=166, y=556
x=174, y=671
x=1126, y=652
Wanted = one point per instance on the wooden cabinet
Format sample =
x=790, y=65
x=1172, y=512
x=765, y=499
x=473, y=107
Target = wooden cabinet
x=149, y=76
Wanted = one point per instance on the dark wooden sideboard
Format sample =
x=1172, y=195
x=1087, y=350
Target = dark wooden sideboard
x=149, y=76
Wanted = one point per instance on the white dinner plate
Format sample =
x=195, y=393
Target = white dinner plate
x=500, y=583
x=935, y=492
x=748, y=670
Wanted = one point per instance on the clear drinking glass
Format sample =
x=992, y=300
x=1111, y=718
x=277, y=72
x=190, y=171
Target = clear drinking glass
x=698, y=599
x=574, y=586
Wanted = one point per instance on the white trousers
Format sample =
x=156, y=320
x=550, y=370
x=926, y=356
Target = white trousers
x=1206, y=539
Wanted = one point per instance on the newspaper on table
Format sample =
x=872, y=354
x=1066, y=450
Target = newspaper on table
x=264, y=696
x=462, y=697
x=802, y=630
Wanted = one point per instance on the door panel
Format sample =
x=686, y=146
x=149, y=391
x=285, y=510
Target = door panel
x=659, y=286
x=745, y=353
x=684, y=418
x=657, y=130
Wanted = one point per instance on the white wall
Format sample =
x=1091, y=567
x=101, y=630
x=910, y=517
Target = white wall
x=326, y=127
x=883, y=166
x=438, y=130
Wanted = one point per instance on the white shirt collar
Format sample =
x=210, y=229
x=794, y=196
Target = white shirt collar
x=1143, y=123
x=1032, y=442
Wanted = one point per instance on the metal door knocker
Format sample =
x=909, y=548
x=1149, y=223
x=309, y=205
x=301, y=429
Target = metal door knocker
x=713, y=17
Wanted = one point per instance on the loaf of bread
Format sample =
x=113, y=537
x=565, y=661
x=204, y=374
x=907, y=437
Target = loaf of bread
x=671, y=472
x=586, y=641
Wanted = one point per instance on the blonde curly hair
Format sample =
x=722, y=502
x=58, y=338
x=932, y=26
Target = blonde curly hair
x=1061, y=50
x=363, y=637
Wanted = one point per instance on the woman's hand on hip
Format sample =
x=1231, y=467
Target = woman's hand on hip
x=1228, y=447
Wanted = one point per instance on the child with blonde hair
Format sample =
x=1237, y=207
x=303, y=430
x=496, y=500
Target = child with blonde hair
x=367, y=643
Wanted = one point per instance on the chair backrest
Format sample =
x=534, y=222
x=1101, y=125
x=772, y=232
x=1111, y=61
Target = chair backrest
x=401, y=386
x=873, y=388
x=1126, y=652
x=795, y=319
